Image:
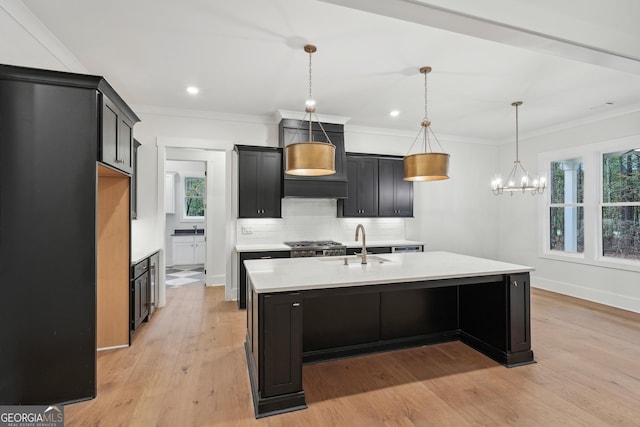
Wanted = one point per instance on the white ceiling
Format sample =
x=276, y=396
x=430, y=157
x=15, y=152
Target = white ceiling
x=565, y=59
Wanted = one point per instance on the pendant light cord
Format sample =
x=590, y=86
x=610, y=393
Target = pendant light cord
x=310, y=98
x=426, y=117
x=517, y=157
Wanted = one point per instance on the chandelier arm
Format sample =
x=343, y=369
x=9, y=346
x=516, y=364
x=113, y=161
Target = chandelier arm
x=321, y=127
x=436, y=138
x=414, y=142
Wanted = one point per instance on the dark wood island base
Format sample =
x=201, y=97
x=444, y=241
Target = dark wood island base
x=489, y=313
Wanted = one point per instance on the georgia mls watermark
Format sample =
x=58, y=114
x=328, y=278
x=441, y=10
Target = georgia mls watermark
x=31, y=416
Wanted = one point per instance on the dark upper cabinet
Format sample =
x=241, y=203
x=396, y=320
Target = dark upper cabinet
x=362, y=200
x=396, y=194
x=327, y=186
x=376, y=188
x=117, y=137
x=259, y=182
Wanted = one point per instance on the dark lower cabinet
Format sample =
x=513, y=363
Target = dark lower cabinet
x=140, y=293
x=495, y=318
x=285, y=330
x=519, y=313
x=242, y=272
x=372, y=250
x=281, y=370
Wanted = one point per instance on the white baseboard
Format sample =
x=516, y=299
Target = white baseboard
x=624, y=302
x=114, y=347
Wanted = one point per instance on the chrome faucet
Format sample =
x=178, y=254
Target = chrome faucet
x=364, y=243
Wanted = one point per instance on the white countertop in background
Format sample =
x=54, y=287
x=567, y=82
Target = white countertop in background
x=297, y=274
x=264, y=247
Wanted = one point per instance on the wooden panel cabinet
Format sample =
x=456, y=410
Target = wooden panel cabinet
x=259, y=182
x=396, y=194
x=362, y=200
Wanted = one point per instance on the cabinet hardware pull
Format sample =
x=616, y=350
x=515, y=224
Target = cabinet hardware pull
x=265, y=257
x=515, y=283
x=295, y=304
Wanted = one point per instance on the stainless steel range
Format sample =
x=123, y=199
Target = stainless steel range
x=316, y=248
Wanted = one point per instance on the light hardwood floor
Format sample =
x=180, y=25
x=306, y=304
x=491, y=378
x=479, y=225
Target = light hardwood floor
x=187, y=368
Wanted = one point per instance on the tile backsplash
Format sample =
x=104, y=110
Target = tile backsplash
x=314, y=219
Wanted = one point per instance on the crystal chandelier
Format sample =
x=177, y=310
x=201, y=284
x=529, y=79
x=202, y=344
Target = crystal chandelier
x=518, y=179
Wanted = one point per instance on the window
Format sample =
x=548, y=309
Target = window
x=194, y=194
x=591, y=213
x=566, y=210
x=620, y=207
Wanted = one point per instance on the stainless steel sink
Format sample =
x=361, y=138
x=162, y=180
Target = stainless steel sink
x=355, y=259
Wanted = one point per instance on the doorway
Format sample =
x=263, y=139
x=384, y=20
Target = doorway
x=185, y=225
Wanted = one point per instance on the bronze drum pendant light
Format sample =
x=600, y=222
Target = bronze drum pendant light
x=427, y=166
x=311, y=158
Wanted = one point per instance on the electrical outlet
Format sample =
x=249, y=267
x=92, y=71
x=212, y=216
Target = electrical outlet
x=245, y=230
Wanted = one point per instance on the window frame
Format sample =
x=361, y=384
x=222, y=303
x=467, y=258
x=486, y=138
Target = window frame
x=592, y=157
x=186, y=217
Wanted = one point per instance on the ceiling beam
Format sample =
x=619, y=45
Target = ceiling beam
x=422, y=13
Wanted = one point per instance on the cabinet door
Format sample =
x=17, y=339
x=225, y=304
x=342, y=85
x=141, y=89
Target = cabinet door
x=117, y=137
x=183, y=252
x=368, y=187
x=199, y=251
x=519, y=313
x=259, y=184
x=396, y=194
x=269, y=177
x=350, y=205
x=109, y=146
x=362, y=185
x=248, y=184
x=125, y=145
x=281, y=320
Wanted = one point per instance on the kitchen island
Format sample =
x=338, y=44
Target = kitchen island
x=394, y=301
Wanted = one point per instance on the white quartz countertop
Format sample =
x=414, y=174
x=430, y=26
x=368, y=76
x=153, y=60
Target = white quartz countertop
x=264, y=247
x=298, y=274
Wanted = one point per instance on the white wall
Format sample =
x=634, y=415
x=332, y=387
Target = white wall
x=459, y=214
x=520, y=231
x=444, y=211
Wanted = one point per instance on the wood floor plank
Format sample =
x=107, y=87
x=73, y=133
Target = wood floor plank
x=187, y=367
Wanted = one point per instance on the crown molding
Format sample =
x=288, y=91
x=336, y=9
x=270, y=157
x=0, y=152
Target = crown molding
x=40, y=33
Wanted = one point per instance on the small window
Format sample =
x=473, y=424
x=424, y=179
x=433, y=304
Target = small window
x=620, y=208
x=194, y=194
x=566, y=214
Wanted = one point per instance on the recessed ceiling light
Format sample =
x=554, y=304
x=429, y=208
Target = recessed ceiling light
x=193, y=90
x=394, y=113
